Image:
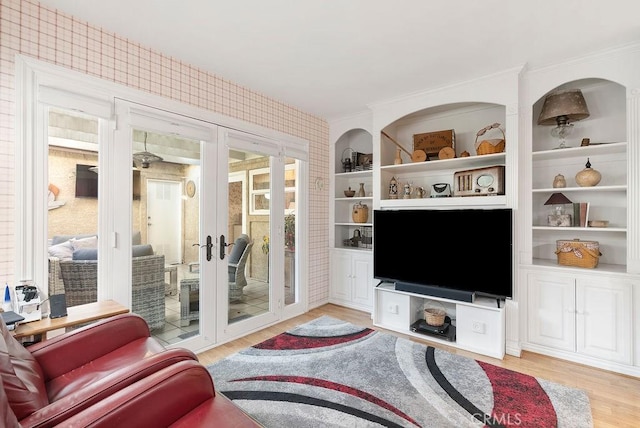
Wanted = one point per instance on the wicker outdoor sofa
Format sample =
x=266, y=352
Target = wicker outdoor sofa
x=80, y=282
x=148, y=286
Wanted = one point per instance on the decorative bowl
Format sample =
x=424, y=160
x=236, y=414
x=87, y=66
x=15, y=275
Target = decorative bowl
x=349, y=193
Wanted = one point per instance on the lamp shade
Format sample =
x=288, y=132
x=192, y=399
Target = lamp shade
x=567, y=106
x=557, y=199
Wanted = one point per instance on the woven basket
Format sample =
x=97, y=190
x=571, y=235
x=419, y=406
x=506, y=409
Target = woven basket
x=360, y=213
x=578, y=253
x=434, y=316
x=487, y=147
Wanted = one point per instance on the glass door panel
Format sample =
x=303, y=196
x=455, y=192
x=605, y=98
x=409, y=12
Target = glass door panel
x=166, y=230
x=290, y=235
x=72, y=205
x=249, y=235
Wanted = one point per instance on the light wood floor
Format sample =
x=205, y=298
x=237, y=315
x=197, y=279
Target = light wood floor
x=615, y=398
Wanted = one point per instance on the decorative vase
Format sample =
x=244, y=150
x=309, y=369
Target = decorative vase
x=361, y=192
x=398, y=159
x=588, y=177
x=559, y=181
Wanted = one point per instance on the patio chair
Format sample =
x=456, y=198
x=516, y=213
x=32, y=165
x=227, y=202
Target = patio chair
x=237, y=264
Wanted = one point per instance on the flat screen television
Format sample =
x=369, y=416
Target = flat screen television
x=86, y=182
x=452, y=253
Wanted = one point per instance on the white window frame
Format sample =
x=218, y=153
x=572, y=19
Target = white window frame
x=253, y=193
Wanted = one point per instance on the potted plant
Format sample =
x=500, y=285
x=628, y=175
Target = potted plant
x=290, y=232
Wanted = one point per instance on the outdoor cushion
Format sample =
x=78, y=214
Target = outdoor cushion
x=142, y=250
x=90, y=242
x=238, y=248
x=63, y=251
x=85, y=254
x=59, y=239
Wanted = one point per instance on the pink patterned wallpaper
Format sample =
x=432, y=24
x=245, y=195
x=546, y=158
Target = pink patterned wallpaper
x=30, y=29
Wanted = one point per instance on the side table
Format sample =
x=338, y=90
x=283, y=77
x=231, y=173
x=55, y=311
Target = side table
x=171, y=287
x=76, y=315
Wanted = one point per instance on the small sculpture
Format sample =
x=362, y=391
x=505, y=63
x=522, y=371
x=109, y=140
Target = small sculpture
x=393, y=188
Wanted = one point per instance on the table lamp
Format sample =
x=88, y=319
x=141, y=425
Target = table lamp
x=560, y=108
x=558, y=218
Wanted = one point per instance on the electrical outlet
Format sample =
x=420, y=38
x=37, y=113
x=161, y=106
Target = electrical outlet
x=392, y=308
x=478, y=327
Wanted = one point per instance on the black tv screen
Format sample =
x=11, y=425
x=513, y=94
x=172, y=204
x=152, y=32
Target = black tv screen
x=465, y=249
x=86, y=182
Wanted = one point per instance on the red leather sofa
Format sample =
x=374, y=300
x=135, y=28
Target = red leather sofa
x=46, y=383
x=180, y=395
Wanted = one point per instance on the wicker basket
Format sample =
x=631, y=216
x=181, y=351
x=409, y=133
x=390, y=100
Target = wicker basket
x=360, y=213
x=434, y=316
x=578, y=253
x=487, y=147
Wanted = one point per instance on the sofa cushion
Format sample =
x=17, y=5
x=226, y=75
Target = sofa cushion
x=59, y=239
x=136, y=238
x=63, y=251
x=85, y=254
x=92, y=253
x=142, y=250
x=111, y=364
x=90, y=242
x=21, y=374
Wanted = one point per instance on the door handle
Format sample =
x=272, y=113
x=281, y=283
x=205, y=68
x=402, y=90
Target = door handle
x=208, y=245
x=223, y=246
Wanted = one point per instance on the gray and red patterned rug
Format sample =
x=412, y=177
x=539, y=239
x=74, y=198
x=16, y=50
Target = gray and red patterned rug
x=330, y=373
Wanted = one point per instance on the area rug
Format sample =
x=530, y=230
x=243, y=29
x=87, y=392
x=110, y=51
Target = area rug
x=330, y=373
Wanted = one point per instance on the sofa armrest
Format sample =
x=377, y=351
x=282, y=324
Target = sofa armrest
x=61, y=354
x=60, y=410
x=195, y=405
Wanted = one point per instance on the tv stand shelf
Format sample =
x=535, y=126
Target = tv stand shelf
x=480, y=325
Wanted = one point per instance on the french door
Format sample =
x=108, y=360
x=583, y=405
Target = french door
x=174, y=160
x=260, y=192
x=171, y=168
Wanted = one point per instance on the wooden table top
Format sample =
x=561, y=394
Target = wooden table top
x=75, y=315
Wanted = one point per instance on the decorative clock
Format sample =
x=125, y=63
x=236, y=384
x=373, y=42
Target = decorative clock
x=191, y=188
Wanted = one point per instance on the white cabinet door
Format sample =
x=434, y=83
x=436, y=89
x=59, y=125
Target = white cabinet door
x=352, y=279
x=362, y=270
x=604, y=319
x=552, y=313
x=340, y=276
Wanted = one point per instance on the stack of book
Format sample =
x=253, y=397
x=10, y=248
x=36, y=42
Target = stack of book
x=580, y=216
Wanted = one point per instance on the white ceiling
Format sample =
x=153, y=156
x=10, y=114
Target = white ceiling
x=332, y=58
